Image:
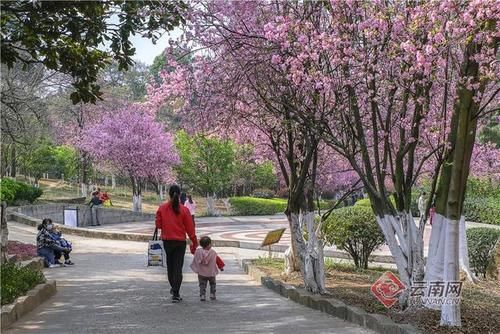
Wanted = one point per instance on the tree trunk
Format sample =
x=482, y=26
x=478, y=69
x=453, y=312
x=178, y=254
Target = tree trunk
x=85, y=176
x=211, y=210
x=5, y=232
x=113, y=181
x=392, y=230
x=13, y=161
x=136, y=195
x=453, y=179
x=309, y=255
x=464, y=251
x=314, y=264
x=137, y=203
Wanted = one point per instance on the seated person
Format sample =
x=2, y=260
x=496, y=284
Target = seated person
x=56, y=235
x=106, y=201
x=46, y=245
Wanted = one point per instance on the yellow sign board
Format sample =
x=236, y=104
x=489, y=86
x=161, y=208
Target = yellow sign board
x=273, y=237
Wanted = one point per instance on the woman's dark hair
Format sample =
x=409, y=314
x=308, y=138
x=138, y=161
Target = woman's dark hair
x=174, y=193
x=205, y=241
x=190, y=198
x=45, y=222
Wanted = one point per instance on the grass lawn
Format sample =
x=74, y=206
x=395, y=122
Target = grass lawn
x=480, y=302
x=120, y=196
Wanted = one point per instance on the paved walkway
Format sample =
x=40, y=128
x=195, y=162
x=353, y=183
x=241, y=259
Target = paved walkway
x=110, y=290
x=250, y=229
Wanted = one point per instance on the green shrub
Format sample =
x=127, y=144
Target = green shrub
x=8, y=189
x=481, y=188
x=365, y=202
x=12, y=191
x=482, y=210
x=251, y=206
x=355, y=230
x=28, y=193
x=17, y=281
x=481, y=242
x=263, y=193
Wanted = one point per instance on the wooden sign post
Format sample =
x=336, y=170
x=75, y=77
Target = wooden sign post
x=272, y=237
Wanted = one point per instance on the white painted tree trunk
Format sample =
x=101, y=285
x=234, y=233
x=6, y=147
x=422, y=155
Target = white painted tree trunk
x=391, y=227
x=310, y=252
x=450, y=313
x=105, y=180
x=289, y=260
x=464, y=251
x=227, y=205
x=83, y=189
x=211, y=210
x=137, y=203
x=161, y=192
x=448, y=254
x=113, y=181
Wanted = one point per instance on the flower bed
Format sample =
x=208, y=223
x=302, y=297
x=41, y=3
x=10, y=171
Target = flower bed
x=480, y=312
x=21, y=250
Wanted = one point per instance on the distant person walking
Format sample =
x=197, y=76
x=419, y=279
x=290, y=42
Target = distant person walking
x=421, y=204
x=175, y=222
x=191, y=205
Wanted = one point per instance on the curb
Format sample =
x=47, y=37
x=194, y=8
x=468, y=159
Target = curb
x=24, y=304
x=376, y=322
x=35, y=263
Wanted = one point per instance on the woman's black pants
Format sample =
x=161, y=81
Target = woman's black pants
x=175, y=251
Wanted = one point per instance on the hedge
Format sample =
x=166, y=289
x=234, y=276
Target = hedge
x=481, y=242
x=12, y=191
x=17, y=281
x=251, y=206
x=482, y=210
x=355, y=230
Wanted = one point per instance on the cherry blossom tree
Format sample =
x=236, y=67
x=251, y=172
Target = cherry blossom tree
x=236, y=90
x=395, y=80
x=381, y=83
x=132, y=143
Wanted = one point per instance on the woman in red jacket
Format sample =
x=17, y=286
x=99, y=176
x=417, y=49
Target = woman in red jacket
x=175, y=222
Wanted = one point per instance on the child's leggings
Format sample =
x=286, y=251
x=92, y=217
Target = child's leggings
x=203, y=285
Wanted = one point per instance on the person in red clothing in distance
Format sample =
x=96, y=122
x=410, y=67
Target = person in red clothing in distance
x=175, y=221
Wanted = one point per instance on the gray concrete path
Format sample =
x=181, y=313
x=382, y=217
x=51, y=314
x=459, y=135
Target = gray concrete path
x=110, y=290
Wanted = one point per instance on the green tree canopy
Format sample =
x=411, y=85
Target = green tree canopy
x=207, y=163
x=68, y=36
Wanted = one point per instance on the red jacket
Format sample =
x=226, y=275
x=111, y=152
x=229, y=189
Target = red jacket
x=175, y=226
x=220, y=263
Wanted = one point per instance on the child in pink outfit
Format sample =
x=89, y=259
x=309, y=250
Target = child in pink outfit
x=206, y=264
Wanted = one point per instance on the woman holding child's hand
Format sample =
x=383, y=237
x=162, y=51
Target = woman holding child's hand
x=175, y=221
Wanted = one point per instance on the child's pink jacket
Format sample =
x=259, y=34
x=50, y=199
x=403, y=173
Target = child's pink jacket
x=205, y=262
